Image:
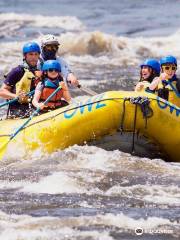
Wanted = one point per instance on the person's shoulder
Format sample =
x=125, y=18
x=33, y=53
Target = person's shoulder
x=61, y=60
x=17, y=70
x=176, y=78
x=14, y=75
x=41, y=83
x=40, y=86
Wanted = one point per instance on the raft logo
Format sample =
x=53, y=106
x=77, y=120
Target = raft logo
x=89, y=105
x=164, y=104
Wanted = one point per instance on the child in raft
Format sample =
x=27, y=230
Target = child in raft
x=51, y=79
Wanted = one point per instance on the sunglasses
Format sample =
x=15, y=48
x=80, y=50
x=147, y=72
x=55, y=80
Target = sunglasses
x=169, y=68
x=52, y=70
x=51, y=47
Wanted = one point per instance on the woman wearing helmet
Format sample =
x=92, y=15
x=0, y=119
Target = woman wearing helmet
x=51, y=80
x=168, y=85
x=150, y=69
x=50, y=45
x=20, y=81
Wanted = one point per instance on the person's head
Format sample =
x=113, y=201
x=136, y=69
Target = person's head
x=169, y=65
x=31, y=52
x=51, y=69
x=149, y=69
x=49, y=46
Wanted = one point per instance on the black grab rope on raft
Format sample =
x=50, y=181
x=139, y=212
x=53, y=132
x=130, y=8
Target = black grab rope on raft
x=134, y=130
x=146, y=110
x=143, y=102
x=123, y=115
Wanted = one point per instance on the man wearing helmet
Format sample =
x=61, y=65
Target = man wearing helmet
x=21, y=80
x=49, y=47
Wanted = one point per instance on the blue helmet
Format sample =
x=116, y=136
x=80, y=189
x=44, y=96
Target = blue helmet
x=168, y=59
x=31, y=47
x=51, y=64
x=152, y=63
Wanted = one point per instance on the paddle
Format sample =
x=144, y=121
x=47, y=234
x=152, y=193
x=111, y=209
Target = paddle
x=87, y=90
x=166, y=82
x=15, y=99
x=7, y=139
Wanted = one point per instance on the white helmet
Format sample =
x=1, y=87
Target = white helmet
x=49, y=39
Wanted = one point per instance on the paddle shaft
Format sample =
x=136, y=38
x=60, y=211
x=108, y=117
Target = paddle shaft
x=87, y=90
x=33, y=114
x=173, y=88
x=15, y=99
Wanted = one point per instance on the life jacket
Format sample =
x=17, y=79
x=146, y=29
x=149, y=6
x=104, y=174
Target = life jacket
x=173, y=95
x=48, y=88
x=27, y=83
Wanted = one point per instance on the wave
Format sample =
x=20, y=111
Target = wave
x=98, y=48
x=65, y=175
x=129, y=50
x=97, y=227
x=10, y=23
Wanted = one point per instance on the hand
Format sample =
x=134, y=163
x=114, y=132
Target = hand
x=63, y=86
x=139, y=87
x=73, y=80
x=38, y=73
x=164, y=76
x=23, y=98
x=41, y=106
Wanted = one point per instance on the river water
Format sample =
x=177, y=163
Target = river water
x=91, y=192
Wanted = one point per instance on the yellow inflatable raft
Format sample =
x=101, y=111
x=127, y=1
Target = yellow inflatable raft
x=95, y=117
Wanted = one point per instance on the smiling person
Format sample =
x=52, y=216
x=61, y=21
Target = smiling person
x=21, y=80
x=150, y=69
x=167, y=85
x=49, y=46
x=51, y=80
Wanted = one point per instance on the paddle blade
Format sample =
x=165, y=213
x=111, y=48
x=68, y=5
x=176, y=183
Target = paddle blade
x=3, y=146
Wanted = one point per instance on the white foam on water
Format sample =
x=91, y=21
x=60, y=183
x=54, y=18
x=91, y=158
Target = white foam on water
x=14, y=227
x=18, y=20
x=115, y=50
x=123, y=221
x=73, y=174
x=12, y=184
x=56, y=183
x=98, y=49
x=55, y=234
x=156, y=194
x=78, y=169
